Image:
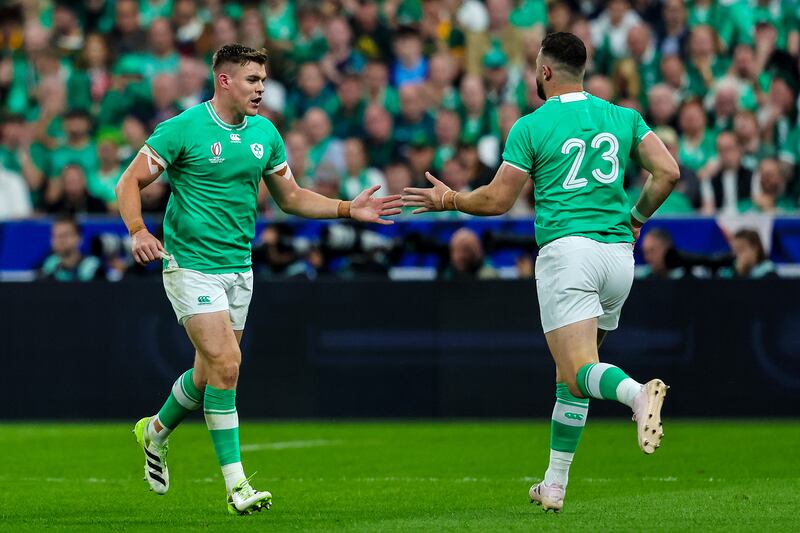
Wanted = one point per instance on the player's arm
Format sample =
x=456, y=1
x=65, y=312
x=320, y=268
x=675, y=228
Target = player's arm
x=146, y=167
x=495, y=198
x=654, y=157
x=295, y=200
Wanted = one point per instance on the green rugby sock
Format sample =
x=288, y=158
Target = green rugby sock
x=607, y=382
x=222, y=420
x=182, y=400
x=566, y=427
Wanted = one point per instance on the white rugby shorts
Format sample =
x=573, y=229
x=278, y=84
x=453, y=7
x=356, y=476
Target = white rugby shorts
x=579, y=278
x=194, y=293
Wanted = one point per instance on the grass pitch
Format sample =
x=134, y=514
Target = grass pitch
x=449, y=476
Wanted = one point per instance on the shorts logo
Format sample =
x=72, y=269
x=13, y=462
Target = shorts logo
x=573, y=416
x=203, y=300
x=235, y=138
x=216, y=150
x=258, y=150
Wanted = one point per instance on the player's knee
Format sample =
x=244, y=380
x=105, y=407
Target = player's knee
x=229, y=373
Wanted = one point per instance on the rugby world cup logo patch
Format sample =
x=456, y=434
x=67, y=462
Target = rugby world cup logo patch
x=216, y=151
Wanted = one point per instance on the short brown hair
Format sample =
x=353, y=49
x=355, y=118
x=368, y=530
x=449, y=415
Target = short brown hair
x=752, y=238
x=237, y=53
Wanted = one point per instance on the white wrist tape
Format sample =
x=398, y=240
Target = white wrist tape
x=638, y=216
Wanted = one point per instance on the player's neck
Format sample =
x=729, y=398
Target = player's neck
x=565, y=89
x=225, y=113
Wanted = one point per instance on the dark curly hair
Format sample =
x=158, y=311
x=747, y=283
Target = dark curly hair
x=240, y=54
x=566, y=49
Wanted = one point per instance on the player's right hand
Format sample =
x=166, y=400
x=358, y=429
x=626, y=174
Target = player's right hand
x=636, y=227
x=145, y=248
x=426, y=200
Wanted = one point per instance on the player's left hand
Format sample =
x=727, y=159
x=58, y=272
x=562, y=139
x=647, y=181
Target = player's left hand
x=426, y=199
x=366, y=208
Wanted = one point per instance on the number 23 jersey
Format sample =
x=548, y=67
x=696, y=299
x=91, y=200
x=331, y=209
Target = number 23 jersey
x=576, y=148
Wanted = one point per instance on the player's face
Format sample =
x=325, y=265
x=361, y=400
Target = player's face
x=246, y=87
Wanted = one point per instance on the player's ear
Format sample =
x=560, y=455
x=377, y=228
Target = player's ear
x=224, y=80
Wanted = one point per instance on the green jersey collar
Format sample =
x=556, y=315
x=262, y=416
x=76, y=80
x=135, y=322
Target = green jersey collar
x=221, y=123
x=570, y=97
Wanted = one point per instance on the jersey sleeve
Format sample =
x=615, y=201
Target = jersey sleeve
x=640, y=128
x=277, y=151
x=167, y=142
x=519, y=147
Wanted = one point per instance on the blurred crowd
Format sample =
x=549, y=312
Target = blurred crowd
x=377, y=92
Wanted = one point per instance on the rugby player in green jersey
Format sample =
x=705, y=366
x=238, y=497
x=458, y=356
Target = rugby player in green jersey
x=575, y=148
x=217, y=152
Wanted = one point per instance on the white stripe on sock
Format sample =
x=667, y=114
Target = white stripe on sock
x=215, y=422
x=593, y=379
x=182, y=398
x=627, y=391
x=577, y=415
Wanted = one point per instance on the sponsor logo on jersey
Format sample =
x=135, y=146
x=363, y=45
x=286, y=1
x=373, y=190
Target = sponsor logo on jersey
x=573, y=416
x=235, y=138
x=203, y=300
x=258, y=150
x=216, y=151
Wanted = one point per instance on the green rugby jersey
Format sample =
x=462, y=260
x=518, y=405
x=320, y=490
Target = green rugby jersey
x=576, y=148
x=214, y=170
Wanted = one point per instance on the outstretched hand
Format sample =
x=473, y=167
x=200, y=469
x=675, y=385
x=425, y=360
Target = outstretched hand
x=366, y=208
x=426, y=200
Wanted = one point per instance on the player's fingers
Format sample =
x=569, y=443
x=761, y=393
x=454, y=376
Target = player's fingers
x=390, y=212
x=372, y=190
x=415, y=190
x=415, y=204
x=392, y=198
x=420, y=210
x=432, y=179
x=137, y=257
x=393, y=204
x=160, y=246
x=414, y=198
x=149, y=254
x=385, y=222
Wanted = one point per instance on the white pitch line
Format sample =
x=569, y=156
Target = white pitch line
x=289, y=444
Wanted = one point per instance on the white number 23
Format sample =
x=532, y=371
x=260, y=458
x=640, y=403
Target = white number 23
x=573, y=181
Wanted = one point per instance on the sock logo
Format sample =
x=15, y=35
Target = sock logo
x=204, y=300
x=573, y=416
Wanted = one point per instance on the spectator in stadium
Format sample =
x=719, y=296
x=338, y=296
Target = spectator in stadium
x=72, y=195
x=448, y=130
x=311, y=91
x=745, y=126
x=726, y=104
x=377, y=88
x=309, y=43
x=164, y=89
x=297, y=156
x=610, y=29
x=746, y=72
x=348, y=119
x=190, y=30
x=600, y=86
x=372, y=36
x=779, y=114
x=16, y=156
x=192, y=83
x=67, y=34
x=476, y=116
x=696, y=143
x=411, y=66
x=340, y=58
x=656, y=247
x=101, y=184
x=127, y=36
x=559, y=17
x=413, y=122
x=674, y=32
x=478, y=174
x=280, y=22
x=770, y=196
x=750, y=259
x=704, y=65
x=324, y=148
x=162, y=56
x=501, y=80
x=358, y=176
x=731, y=183
x=491, y=147
x=224, y=31
x=645, y=58
x=398, y=177
x=662, y=106
x=92, y=75
x=499, y=30
x=78, y=148
x=419, y=155
x=673, y=73
x=66, y=262
x=378, y=136
x=440, y=91
x=251, y=28
x=467, y=260
x=135, y=134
